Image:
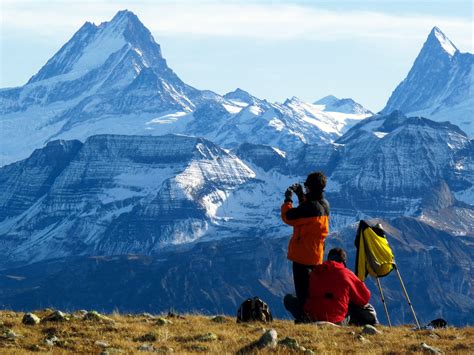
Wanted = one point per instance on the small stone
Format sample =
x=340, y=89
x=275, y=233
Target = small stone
x=268, y=340
x=96, y=316
x=434, y=336
x=56, y=316
x=219, y=319
x=102, y=344
x=430, y=349
x=30, y=319
x=370, y=330
x=289, y=343
x=146, y=347
x=308, y=352
x=51, y=341
x=9, y=334
x=79, y=314
x=207, y=337
x=362, y=339
x=163, y=321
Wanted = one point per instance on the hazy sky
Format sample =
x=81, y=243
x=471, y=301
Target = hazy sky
x=273, y=49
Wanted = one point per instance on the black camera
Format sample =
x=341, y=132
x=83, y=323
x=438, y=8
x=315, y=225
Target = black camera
x=296, y=187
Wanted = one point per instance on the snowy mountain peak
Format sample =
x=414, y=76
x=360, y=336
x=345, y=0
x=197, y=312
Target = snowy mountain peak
x=124, y=16
x=91, y=46
x=438, y=38
x=293, y=100
x=439, y=84
x=332, y=104
x=326, y=100
x=242, y=96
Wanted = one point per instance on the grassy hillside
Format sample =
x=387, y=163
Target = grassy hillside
x=94, y=333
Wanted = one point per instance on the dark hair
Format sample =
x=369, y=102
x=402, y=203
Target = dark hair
x=338, y=254
x=316, y=182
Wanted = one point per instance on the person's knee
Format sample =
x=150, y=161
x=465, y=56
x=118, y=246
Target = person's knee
x=289, y=301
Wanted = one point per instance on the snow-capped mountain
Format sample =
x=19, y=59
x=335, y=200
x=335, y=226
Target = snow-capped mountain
x=439, y=86
x=349, y=106
x=114, y=69
x=113, y=195
x=122, y=194
x=113, y=79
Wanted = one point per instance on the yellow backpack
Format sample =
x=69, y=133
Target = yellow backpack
x=374, y=255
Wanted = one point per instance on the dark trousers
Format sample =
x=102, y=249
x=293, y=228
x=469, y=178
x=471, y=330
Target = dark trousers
x=295, y=307
x=301, y=279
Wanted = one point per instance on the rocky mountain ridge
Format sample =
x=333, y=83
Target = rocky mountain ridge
x=113, y=195
x=124, y=194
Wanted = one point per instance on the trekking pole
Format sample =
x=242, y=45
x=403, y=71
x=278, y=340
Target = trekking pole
x=406, y=295
x=383, y=301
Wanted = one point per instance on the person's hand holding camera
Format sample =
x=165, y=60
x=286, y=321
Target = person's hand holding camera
x=297, y=189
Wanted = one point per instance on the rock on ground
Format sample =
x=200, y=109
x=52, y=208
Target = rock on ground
x=430, y=349
x=370, y=330
x=30, y=319
x=163, y=321
x=96, y=316
x=268, y=340
x=56, y=316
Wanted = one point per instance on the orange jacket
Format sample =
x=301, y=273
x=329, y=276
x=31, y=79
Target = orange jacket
x=310, y=221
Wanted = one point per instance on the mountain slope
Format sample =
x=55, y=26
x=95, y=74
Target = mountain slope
x=113, y=195
x=395, y=165
x=440, y=85
x=437, y=277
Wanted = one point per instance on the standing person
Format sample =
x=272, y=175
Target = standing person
x=310, y=221
x=335, y=295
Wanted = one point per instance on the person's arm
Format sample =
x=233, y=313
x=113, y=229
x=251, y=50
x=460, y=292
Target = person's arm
x=359, y=293
x=294, y=216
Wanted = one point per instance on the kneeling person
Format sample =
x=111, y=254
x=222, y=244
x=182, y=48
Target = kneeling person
x=335, y=295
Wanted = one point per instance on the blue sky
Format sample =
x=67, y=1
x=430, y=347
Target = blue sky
x=273, y=49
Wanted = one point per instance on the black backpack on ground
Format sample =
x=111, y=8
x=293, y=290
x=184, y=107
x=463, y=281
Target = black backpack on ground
x=254, y=309
x=438, y=323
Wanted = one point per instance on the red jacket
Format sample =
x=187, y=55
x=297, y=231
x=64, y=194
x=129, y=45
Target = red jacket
x=310, y=221
x=331, y=288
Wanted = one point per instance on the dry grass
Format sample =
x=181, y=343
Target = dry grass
x=189, y=335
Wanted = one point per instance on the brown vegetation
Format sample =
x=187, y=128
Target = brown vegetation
x=196, y=333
